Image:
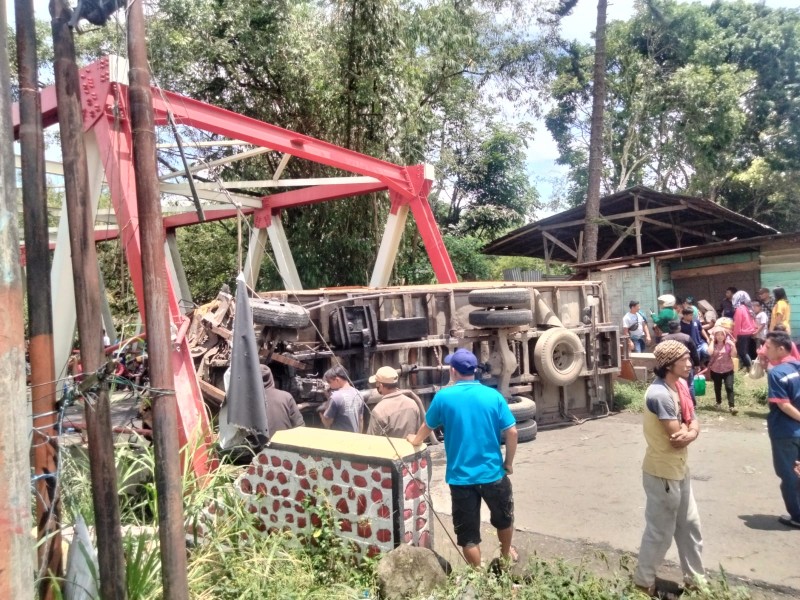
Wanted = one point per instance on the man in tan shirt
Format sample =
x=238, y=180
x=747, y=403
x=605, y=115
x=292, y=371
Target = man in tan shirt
x=396, y=415
x=670, y=513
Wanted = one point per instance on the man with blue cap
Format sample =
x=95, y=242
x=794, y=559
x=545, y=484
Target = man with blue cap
x=475, y=418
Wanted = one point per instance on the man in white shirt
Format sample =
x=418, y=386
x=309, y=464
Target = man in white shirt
x=634, y=325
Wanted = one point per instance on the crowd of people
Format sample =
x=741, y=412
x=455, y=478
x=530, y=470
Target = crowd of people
x=738, y=328
x=689, y=341
x=670, y=426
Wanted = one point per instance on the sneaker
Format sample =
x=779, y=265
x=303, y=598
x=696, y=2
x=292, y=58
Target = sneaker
x=718, y=406
x=734, y=411
x=789, y=522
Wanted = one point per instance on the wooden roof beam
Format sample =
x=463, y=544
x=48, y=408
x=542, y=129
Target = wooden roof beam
x=706, y=236
x=561, y=245
x=623, y=236
x=617, y=216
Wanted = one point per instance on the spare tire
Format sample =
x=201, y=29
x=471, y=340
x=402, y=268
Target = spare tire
x=522, y=408
x=510, y=317
x=559, y=356
x=510, y=297
x=279, y=314
x=527, y=430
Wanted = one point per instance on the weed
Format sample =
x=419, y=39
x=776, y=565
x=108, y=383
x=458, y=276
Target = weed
x=629, y=395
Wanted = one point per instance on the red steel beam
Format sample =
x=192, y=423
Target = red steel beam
x=115, y=143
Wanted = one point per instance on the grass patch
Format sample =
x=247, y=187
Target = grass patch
x=235, y=560
x=750, y=396
x=629, y=395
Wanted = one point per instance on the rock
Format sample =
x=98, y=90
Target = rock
x=409, y=571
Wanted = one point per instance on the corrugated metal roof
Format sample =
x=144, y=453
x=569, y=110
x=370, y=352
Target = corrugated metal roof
x=667, y=222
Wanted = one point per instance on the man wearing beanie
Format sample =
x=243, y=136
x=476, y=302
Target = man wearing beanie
x=670, y=513
x=396, y=415
x=282, y=411
x=475, y=418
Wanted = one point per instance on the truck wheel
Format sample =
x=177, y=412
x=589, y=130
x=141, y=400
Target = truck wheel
x=522, y=408
x=511, y=317
x=510, y=297
x=279, y=314
x=559, y=356
x=527, y=430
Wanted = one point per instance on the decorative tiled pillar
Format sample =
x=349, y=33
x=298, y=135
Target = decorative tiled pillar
x=375, y=486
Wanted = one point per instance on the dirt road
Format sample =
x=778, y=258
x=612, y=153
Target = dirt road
x=583, y=483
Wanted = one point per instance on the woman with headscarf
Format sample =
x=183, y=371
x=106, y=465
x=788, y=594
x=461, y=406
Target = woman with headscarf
x=744, y=326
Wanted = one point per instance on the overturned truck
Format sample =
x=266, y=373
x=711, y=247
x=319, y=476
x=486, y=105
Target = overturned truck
x=547, y=346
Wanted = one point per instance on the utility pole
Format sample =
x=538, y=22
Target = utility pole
x=16, y=552
x=87, y=291
x=156, y=307
x=40, y=312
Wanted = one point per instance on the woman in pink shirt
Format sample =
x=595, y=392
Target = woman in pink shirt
x=720, y=365
x=744, y=326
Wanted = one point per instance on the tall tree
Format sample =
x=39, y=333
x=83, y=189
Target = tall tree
x=598, y=94
x=700, y=101
x=596, y=137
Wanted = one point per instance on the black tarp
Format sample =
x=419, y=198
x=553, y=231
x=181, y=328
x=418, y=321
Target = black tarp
x=245, y=397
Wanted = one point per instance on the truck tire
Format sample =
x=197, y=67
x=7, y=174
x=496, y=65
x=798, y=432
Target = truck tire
x=279, y=314
x=522, y=408
x=509, y=297
x=527, y=430
x=511, y=317
x=559, y=356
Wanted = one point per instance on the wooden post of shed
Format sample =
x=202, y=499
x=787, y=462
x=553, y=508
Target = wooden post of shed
x=638, y=224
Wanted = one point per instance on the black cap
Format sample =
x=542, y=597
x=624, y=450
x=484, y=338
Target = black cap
x=632, y=303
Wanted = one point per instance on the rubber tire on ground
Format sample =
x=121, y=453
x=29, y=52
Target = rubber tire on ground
x=279, y=314
x=559, y=356
x=510, y=297
x=522, y=408
x=527, y=430
x=510, y=317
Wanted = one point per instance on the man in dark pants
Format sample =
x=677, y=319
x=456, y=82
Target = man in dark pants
x=475, y=418
x=783, y=421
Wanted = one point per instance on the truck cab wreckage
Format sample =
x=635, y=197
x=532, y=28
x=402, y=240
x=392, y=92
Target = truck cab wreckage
x=548, y=347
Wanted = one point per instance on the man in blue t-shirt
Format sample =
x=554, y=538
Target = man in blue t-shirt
x=783, y=421
x=475, y=419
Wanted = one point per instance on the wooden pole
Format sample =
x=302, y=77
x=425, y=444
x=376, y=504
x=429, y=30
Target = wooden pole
x=156, y=311
x=16, y=552
x=87, y=302
x=40, y=311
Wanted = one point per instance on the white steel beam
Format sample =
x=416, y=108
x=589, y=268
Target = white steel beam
x=283, y=254
x=390, y=243
x=279, y=171
x=199, y=166
x=279, y=183
x=206, y=144
x=177, y=272
x=212, y=192
x=255, y=255
x=61, y=283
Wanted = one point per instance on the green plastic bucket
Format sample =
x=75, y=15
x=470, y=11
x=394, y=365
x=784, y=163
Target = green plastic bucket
x=700, y=385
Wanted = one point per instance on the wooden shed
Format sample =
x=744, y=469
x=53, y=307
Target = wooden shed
x=651, y=243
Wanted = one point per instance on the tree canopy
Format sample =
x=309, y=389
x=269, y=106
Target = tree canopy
x=702, y=99
x=404, y=81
